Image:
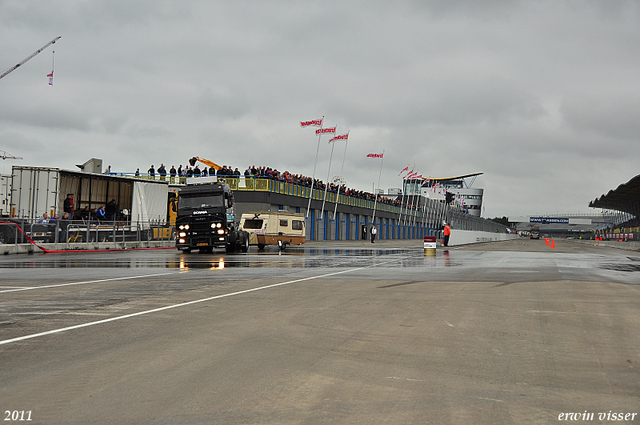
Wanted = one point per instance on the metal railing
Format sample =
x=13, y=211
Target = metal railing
x=421, y=212
x=273, y=185
x=68, y=232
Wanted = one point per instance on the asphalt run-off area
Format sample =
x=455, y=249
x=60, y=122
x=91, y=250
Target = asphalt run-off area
x=327, y=333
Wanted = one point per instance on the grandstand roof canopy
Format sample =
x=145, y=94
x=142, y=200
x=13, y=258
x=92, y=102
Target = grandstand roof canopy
x=452, y=178
x=625, y=197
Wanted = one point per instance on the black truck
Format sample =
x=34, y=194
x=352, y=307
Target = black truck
x=205, y=218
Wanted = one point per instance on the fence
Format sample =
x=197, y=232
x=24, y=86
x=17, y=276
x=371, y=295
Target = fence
x=66, y=232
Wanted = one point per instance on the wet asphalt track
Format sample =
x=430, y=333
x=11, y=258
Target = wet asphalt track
x=345, y=332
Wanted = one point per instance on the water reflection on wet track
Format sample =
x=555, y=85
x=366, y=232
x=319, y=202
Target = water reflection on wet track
x=623, y=268
x=303, y=258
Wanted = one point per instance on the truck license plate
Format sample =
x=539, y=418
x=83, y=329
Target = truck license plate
x=203, y=244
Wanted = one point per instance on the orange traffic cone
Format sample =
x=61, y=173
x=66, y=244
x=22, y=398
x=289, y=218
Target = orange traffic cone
x=546, y=240
x=553, y=244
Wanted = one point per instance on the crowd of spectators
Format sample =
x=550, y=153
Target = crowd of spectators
x=274, y=174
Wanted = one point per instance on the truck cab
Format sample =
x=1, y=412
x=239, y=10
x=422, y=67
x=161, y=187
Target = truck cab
x=534, y=233
x=205, y=218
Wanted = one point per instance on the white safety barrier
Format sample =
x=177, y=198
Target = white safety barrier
x=464, y=237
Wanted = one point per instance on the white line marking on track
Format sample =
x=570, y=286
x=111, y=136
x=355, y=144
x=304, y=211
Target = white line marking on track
x=169, y=307
x=406, y=379
x=29, y=288
x=490, y=399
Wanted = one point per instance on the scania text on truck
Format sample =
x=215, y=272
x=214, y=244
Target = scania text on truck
x=205, y=218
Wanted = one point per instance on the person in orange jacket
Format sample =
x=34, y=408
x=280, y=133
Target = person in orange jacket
x=447, y=233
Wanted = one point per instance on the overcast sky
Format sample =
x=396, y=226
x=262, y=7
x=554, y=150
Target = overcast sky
x=541, y=97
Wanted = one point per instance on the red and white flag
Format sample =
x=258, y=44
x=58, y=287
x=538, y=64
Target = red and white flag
x=340, y=137
x=375, y=155
x=316, y=123
x=404, y=169
x=331, y=130
x=50, y=78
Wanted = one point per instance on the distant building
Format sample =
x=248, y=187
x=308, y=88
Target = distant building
x=467, y=198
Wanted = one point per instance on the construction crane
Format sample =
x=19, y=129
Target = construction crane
x=16, y=66
x=206, y=162
x=7, y=155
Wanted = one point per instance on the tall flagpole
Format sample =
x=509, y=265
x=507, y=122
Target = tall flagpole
x=404, y=189
x=346, y=142
x=326, y=186
x=401, y=202
x=313, y=178
x=375, y=195
x=415, y=217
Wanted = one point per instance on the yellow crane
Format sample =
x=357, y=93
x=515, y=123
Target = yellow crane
x=206, y=162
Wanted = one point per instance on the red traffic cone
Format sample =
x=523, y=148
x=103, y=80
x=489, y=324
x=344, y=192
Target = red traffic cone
x=553, y=243
x=546, y=240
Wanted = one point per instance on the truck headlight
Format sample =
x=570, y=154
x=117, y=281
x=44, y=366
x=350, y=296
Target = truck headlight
x=182, y=234
x=220, y=232
x=181, y=241
x=214, y=225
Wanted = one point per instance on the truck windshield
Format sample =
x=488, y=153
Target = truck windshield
x=189, y=203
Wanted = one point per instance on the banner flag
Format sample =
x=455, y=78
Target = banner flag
x=340, y=137
x=50, y=78
x=404, y=169
x=375, y=155
x=316, y=123
x=331, y=130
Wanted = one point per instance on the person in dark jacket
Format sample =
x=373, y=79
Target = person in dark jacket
x=111, y=211
x=69, y=206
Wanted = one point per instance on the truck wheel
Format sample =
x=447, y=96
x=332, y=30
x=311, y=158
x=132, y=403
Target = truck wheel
x=186, y=250
x=231, y=243
x=261, y=246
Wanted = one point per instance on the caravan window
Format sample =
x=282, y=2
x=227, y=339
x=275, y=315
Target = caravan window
x=297, y=225
x=252, y=223
x=284, y=223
